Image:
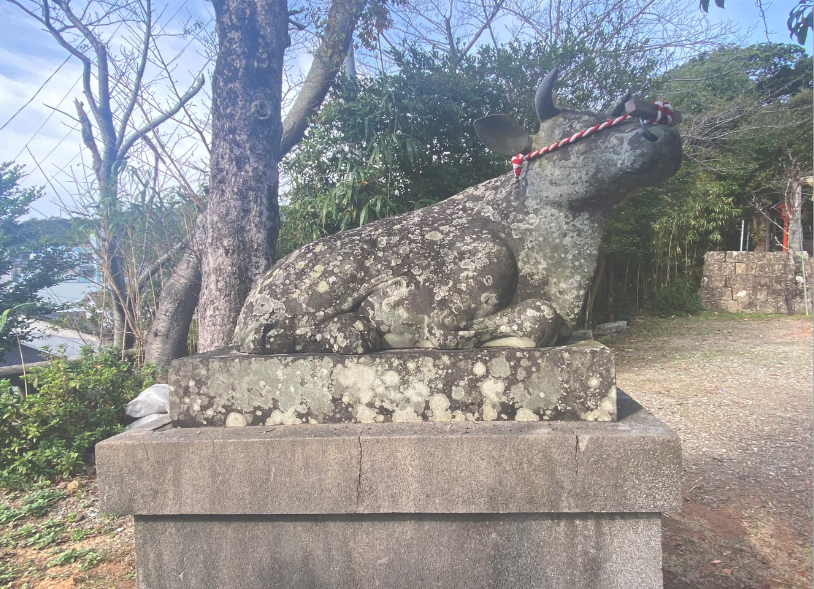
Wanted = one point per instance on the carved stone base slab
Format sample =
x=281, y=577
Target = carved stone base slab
x=570, y=382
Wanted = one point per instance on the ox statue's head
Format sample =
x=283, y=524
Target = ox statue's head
x=603, y=167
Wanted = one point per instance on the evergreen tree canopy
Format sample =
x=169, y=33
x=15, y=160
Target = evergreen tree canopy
x=39, y=260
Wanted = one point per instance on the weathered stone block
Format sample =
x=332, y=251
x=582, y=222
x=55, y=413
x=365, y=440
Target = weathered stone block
x=744, y=267
x=739, y=256
x=571, y=382
x=450, y=551
x=770, y=278
x=714, y=257
x=711, y=293
x=740, y=282
x=770, y=306
x=721, y=306
x=764, y=281
x=633, y=465
x=611, y=328
x=742, y=296
x=714, y=280
x=728, y=268
x=766, y=268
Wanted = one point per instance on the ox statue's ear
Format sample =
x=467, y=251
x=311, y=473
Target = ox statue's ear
x=503, y=135
x=544, y=97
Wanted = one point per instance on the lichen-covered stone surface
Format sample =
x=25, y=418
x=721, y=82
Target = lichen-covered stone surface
x=505, y=263
x=570, y=382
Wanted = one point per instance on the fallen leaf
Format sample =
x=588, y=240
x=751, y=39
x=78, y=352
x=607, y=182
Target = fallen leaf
x=716, y=562
x=801, y=573
x=726, y=571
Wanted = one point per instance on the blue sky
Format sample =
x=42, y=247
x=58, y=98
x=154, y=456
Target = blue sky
x=28, y=56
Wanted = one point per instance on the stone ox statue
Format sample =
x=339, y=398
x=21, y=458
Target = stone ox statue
x=504, y=263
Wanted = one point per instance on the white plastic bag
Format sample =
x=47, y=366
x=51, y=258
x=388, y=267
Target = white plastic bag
x=151, y=401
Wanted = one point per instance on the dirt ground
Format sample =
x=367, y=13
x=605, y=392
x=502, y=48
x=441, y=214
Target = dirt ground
x=737, y=390
x=739, y=393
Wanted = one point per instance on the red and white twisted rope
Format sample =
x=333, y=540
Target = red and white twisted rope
x=665, y=110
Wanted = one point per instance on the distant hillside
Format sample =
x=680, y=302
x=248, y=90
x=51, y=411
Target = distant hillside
x=54, y=230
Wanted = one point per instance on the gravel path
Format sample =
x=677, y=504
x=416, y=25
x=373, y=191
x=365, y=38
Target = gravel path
x=739, y=393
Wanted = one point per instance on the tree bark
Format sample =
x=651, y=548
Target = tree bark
x=795, y=212
x=328, y=60
x=600, y=272
x=240, y=225
x=169, y=332
x=609, y=272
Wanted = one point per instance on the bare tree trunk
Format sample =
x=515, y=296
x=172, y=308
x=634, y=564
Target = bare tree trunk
x=169, y=332
x=609, y=272
x=760, y=231
x=123, y=332
x=241, y=222
x=795, y=212
x=600, y=272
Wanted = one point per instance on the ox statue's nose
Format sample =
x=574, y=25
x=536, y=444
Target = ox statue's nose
x=654, y=149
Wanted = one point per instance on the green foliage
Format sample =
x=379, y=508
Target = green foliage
x=76, y=404
x=679, y=296
x=79, y=534
x=44, y=261
x=38, y=503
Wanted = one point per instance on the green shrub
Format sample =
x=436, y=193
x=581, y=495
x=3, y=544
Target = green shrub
x=680, y=296
x=73, y=405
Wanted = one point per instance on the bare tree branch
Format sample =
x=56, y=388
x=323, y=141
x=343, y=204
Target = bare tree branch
x=327, y=62
x=138, y=77
x=141, y=132
x=159, y=264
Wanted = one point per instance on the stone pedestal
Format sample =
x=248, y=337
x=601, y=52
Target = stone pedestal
x=576, y=381
x=554, y=505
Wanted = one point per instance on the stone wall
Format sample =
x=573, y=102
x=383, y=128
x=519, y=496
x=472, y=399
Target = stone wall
x=756, y=282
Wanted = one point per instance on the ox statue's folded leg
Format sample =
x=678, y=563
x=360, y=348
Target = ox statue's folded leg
x=527, y=324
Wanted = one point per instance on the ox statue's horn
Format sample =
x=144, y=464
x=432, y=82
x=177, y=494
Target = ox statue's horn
x=620, y=105
x=544, y=97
